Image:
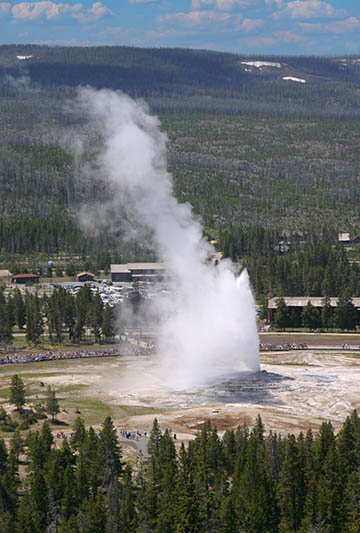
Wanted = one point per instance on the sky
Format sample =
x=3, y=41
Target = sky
x=252, y=27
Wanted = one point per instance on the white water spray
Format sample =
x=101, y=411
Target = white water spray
x=208, y=325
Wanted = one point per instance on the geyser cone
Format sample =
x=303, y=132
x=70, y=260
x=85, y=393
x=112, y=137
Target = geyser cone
x=208, y=320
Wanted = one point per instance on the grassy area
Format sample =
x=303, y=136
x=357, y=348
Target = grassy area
x=93, y=411
x=75, y=390
x=313, y=339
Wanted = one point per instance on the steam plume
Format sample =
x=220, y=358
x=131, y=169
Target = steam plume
x=208, y=322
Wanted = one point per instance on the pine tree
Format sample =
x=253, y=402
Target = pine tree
x=52, y=403
x=5, y=323
x=352, y=503
x=281, y=317
x=34, y=319
x=167, y=469
x=71, y=526
x=96, y=316
x=6, y=522
x=17, y=392
x=95, y=514
x=39, y=496
x=291, y=488
x=27, y=516
x=111, y=452
x=3, y=469
x=310, y=514
x=326, y=313
x=346, y=316
x=17, y=444
x=229, y=446
x=128, y=515
x=330, y=494
x=113, y=520
x=187, y=515
x=325, y=442
x=227, y=515
x=79, y=433
x=346, y=448
x=254, y=491
x=107, y=322
x=311, y=317
x=69, y=502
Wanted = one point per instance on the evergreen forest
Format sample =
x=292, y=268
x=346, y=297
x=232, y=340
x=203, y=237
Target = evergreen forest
x=248, y=480
x=64, y=317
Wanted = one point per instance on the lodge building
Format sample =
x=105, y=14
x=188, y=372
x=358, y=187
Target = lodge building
x=137, y=272
x=297, y=303
x=25, y=278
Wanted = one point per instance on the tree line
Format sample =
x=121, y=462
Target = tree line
x=345, y=316
x=245, y=481
x=295, y=264
x=62, y=315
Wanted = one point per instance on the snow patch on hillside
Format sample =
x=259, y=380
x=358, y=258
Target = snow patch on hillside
x=291, y=78
x=259, y=64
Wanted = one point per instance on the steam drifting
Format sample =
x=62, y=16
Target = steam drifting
x=208, y=325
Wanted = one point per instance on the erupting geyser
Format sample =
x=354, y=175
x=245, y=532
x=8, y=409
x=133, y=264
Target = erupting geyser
x=208, y=320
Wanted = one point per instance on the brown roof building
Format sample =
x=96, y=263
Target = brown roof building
x=85, y=276
x=25, y=278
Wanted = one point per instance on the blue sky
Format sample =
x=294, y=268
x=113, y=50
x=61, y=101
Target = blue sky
x=300, y=27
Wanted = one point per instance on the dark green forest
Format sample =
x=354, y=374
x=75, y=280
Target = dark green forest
x=248, y=480
x=296, y=264
x=65, y=317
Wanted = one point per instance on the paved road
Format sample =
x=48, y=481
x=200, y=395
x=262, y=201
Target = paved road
x=139, y=445
x=347, y=348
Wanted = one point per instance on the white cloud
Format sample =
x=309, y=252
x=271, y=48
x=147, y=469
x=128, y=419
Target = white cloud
x=249, y=25
x=194, y=18
x=341, y=26
x=62, y=42
x=258, y=43
x=277, y=3
x=51, y=10
x=201, y=19
x=225, y=5
x=198, y=4
x=4, y=8
x=35, y=10
x=306, y=9
x=288, y=36
x=96, y=11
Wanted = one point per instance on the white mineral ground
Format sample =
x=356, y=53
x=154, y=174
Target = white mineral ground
x=294, y=391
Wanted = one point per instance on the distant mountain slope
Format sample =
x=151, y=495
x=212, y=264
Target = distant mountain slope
x=290, y=85
x=252, y=140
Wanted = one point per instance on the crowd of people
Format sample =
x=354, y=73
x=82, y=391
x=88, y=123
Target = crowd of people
x=137, y=349
x=123, y=349
x=132, y=435
x=35, y=357
x=267, y=347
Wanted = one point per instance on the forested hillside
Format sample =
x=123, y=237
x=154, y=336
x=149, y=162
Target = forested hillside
x=247, y=147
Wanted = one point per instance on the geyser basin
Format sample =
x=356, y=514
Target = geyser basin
x=139, y=382
x=291, y=394
x=207, y=319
